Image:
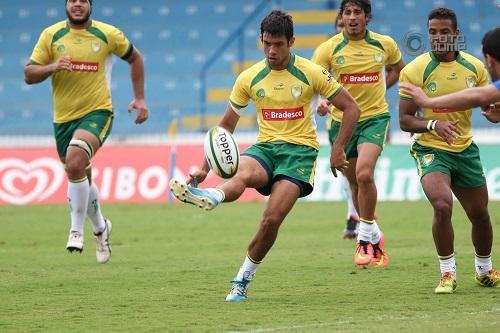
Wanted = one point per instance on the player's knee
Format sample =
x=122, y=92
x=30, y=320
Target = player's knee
x=83, y=145
x=271, y=222
x=442, y=209
x=364, y=177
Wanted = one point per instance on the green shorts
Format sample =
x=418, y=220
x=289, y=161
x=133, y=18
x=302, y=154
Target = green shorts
x=97, y=122
x=372, y=130
x=464, y=168
x=295, y=163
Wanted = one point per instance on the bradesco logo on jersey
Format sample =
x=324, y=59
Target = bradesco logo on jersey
x=359, y=78
x=83, y=66
x=283, y=114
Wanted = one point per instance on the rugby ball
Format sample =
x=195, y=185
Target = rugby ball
x=221, y=152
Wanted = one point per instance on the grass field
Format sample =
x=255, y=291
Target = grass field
x=172, y=264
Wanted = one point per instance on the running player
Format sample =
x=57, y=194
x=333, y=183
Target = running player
x=447, y=159
x=76, y=55
x=357, y=57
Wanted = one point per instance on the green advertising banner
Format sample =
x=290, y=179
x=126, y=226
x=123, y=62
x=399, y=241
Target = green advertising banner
x=396, y=175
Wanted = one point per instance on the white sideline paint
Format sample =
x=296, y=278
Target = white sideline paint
x=343, y=322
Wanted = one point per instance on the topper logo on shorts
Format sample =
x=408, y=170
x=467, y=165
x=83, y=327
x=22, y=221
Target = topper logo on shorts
x=24, y=182
x=283, y=114
x=359, y=78
x=83, y=66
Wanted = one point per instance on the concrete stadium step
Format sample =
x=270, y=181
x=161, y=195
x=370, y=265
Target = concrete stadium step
x=314, y=16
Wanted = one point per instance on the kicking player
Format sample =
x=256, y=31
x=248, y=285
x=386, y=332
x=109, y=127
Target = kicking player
x=282, y=162
x=76, y=55
x=447, y=159
x=358, y=57
x=485, y=97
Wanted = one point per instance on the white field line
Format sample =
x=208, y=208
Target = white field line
x=343, y=322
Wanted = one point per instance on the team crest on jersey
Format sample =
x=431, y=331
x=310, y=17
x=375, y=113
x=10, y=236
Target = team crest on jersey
x=260, y=93
x=61, y=48
x=469, y=80
x=340, y=60
x=432, y=87
x=378, y=57
x=427, y=159
x=296, y=90
x=96, y=46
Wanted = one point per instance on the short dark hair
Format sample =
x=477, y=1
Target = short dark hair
x=491, y=43
x=365, y=5
x=443, y=14
x=277, y=23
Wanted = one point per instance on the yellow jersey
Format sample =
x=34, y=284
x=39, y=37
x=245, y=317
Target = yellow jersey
x=440, y=78
x=87, y=87
x=282, y=99
x=359, y=65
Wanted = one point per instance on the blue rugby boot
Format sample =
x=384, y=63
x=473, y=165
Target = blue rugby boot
x=238, y=292
x=206, y=199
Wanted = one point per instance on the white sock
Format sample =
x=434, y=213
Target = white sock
x=217, y=193
x=94, y=210
x=375, y=233
x=483, y=265
x=447, y=264
x=365, y=231
x=78, y=198
x=351, y=210
x=247, y=270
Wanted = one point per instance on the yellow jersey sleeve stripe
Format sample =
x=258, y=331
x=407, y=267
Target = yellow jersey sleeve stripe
x=397, y=62
x=236, y=105
x=339, y=89
x=462, y=61
x=405, y=98
x=98, y=33
x=128, y=53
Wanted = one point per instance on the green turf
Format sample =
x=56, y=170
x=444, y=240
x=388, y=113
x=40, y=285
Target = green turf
x=172, y=264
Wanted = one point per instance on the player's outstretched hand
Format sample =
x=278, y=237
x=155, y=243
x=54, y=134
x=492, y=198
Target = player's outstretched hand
x=142, y=110
x=448, y=130
x=418, y=95
x=338, y=160
x=492, y=112
x=196, y=177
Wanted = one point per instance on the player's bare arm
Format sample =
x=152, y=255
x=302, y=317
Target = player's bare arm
x=343, y=101
x=137, y=76
x=35, y=73
x=461, y=100
x=409, y=122
x=393, y=75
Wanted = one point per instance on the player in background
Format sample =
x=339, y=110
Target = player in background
x=282, y=162
x=358, y=57
x=76, y=54
x=487, y=97
x=447, y=159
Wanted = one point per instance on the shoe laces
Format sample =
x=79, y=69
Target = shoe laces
x=239, y=288
x=363, y=247
x=447, y=276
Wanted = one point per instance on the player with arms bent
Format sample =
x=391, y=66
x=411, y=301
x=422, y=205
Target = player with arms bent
x=447, y=159
x=282, y=162
x=487, y=97
x=358, y=57
x=76, y=54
